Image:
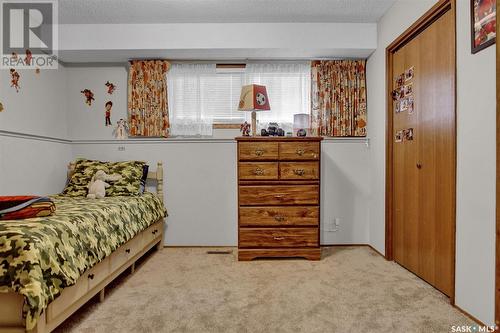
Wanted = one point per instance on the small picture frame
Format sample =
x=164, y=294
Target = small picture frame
x=483, y=24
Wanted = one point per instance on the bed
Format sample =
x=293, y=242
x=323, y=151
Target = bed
x=50, y=266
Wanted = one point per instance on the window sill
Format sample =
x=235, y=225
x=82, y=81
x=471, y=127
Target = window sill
x=226, y=126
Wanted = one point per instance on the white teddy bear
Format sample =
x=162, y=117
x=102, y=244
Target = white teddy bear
x=98, y=185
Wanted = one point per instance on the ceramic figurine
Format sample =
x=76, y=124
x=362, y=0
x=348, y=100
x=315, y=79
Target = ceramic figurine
x=245, y=129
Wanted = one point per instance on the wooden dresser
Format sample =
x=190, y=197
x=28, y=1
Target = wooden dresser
x=279, y=197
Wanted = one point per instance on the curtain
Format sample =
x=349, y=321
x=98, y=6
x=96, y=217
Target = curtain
x=192, y=99
x=288, y=87
x=338, y=98
x=147, y=98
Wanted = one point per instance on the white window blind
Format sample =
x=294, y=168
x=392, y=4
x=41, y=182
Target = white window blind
x=199, y=95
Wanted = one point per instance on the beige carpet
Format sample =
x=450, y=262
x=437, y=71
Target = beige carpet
x=352, y=289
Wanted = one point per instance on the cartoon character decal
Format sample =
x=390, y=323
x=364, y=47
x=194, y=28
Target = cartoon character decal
x=14, y=79
x=89, y=96
x=111, y=87
x=28, y=58
x=107, y=112
x=1, y=107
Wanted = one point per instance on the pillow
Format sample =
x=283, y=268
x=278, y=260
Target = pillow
x=132, y=173
x=25, y=207
x=84, y=171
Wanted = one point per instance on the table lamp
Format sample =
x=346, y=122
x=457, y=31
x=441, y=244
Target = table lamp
x=254, y=98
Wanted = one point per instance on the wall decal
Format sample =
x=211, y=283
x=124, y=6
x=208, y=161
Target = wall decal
x=89, y=96
x=121, y=129
x=37, y=71
x=28, y=58
x=14, y=56
x=1, y=107
x=14, y=79
x=107, y=112
x=111, y=87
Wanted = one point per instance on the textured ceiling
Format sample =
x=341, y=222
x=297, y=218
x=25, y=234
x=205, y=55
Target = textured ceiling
x=224, y=11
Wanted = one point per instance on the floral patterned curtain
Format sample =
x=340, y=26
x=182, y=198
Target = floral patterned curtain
x=147, y=98
x=338, y=89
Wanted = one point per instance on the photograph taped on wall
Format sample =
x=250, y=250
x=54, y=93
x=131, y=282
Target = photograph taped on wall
x=483, y=24
x=396, y=106
x=408, y=90
x=408, y=134
x=411, y=105
x=399, y=136
x=403, y=105
x=410, y=73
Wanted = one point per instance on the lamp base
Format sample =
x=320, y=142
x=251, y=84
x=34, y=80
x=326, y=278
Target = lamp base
x=254, y=123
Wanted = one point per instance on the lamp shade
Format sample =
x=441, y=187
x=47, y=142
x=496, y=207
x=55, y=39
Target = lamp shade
x=254, y=98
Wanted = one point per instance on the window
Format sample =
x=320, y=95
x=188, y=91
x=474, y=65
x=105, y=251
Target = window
x=201, y=95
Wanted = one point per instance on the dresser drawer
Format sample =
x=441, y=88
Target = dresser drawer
x=98, y=273
x=299, y=170
x=258, y=170
x=278, y=237
x=258, y=150
x=299, y=150
x=279, y=216
x=279, y=195
x=125, y=252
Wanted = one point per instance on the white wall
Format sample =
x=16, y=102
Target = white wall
x=32, y=166
x=30, y=163
x=475, y=240
x=120, y=42
x=40, y=105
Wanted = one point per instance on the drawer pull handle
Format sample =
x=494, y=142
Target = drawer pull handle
x=259, y=152
x=279, y=238
x=91, y=276
x=258, y=172
x=279, y=196
x=279, y=218
x=127, y=250
x=299, y=172
x=300, y=151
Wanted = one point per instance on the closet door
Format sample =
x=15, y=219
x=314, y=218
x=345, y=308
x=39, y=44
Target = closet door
x=424, y=168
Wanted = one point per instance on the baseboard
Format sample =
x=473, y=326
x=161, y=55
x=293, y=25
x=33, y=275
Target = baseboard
x=367, y=245
x=471, y=317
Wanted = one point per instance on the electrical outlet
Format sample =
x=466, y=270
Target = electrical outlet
x=121, y=148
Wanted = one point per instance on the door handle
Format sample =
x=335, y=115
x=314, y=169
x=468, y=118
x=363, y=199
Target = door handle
x=419, y=165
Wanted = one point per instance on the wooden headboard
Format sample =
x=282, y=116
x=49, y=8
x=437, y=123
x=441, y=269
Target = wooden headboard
x=156, y=176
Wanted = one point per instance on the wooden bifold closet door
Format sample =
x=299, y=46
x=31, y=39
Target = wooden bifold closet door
x=423, y=166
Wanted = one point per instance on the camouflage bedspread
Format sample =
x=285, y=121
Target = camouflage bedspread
x=41, y=256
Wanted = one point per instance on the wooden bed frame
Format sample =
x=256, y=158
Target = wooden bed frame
x=91, y=283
